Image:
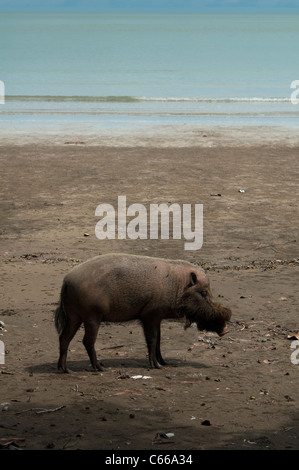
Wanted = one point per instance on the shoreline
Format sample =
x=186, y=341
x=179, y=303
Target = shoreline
x=150, y=135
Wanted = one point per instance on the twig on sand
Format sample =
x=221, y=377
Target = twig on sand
x=41, y=410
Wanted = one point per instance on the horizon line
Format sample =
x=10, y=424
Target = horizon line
x=178, y=11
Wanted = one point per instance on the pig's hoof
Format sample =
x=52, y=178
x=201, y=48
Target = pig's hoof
x=99, y=367
x=162, y=362
x=65, y=370
x=157, y=365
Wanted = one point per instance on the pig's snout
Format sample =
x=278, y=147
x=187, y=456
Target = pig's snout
x=223, y=314
x=223, y=332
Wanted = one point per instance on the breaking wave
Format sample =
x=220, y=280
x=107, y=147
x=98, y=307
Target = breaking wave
x=134, y=99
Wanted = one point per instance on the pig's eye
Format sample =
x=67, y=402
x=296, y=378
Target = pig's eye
x=203, y=293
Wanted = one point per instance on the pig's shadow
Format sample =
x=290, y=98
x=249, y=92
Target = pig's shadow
x=115, y=363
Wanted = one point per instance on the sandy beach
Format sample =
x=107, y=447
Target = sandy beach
x=235, y=392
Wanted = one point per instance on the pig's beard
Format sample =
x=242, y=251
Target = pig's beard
x=205, y=313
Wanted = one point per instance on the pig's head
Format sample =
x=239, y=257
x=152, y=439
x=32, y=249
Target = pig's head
x=198, y=306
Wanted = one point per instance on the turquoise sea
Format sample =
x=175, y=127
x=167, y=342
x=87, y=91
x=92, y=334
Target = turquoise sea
x=104, y=70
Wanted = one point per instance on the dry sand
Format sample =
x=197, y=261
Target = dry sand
x=235, y=392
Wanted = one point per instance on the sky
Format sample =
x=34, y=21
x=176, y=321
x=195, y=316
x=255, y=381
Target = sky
x=265, y=6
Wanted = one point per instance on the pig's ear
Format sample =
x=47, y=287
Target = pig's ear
x=193, y=279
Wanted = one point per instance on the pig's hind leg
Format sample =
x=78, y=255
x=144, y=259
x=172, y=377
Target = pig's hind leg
x=64, y=340
x=89, y=339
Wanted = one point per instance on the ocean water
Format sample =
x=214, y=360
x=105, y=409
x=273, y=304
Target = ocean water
x=102, y=71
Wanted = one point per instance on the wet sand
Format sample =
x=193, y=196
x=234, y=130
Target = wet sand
x=243, y=386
